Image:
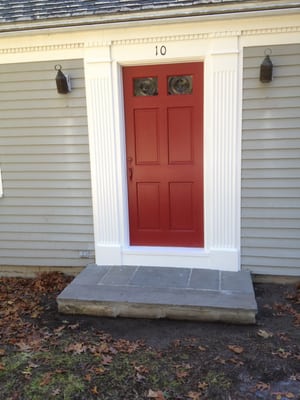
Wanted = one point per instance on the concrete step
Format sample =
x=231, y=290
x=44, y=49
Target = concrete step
x=161, y=292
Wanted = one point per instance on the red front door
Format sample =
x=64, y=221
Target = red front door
x=164, y=150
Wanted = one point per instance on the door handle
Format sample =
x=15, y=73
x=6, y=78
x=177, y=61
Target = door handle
x=130, y=170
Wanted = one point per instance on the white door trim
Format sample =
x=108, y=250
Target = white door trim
x=221, y=157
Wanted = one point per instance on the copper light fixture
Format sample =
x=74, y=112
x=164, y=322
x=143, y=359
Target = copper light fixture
x=266, y=68
x=63, y=83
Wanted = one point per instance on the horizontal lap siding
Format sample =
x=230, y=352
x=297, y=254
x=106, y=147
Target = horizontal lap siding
x=271, y=163
x=46, y=212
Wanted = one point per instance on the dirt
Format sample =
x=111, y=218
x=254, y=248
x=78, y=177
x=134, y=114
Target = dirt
x=46, y=355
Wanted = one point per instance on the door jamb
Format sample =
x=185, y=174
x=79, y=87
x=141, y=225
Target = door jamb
x=118, y=95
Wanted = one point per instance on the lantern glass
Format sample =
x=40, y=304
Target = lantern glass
x=266, y=70
x=62, y=81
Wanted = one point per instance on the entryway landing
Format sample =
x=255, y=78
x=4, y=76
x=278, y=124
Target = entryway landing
x=160, y=292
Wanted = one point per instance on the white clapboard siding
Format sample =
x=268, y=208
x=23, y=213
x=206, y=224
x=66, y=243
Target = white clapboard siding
x=270, y=234
x=46, y=212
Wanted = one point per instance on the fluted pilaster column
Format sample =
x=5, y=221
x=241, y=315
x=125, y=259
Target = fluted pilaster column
x=223, y=165
x=100, y=105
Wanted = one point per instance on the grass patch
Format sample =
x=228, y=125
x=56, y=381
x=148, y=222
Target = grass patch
x=218, y=385
x=48, y=385
x=55, y=374
x=14, y=368
x=43, y=375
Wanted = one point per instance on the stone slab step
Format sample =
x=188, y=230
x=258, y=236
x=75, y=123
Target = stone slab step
x=161, y=292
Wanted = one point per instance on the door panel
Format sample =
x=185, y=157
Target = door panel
x=164, y=149
x=146, y=136
x=181, y=193
x=148, y=205
x=180, y=135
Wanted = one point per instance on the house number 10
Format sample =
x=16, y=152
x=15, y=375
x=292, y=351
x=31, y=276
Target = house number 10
x=160, y=50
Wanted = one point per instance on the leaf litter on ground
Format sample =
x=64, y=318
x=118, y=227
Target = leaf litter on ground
x=49, y=355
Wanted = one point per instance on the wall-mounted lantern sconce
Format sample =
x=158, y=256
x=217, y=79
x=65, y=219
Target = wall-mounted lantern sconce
x=266, y=68
x=63, y=83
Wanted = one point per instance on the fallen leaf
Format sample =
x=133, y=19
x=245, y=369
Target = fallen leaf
x=156, y=395
x=236, y=361
x=295, y=295
x=46, y=379
x=125, y=346
x=283, y=336
x=2, y=367
x=236, y=349
x=264, y=334
x=261, y=386
x=283, y=395
x=94, y=390
x=194, y=395
x=141, y=369
x=290, y=395
x=88, y=377
x=33, y=365
x=35, y=314
x=56, y=392
x=76, y=348
x=182, y=374
x=140, y=377
x=2, y=352
x=202, y=348
x=220, y=360
x=106, y=360
x=202, y=385
x=73, y=327
x=283, y=308
x=295, y=377
x=99, y=371
x=27, y=372
x=24, y=347
x=282, y=353
x=297, y=319
x=102, y=348
x=59, y=329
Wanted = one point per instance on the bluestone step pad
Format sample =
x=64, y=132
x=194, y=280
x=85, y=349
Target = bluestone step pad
x=161, y=292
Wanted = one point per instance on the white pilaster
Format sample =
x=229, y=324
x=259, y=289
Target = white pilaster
x=222, y=139
x=100, y=105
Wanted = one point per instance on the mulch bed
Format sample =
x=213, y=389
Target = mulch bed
x=46, y=355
